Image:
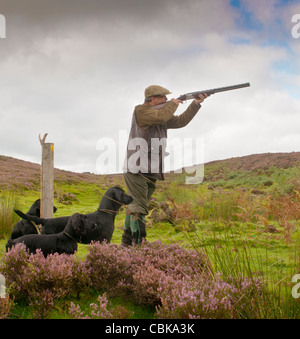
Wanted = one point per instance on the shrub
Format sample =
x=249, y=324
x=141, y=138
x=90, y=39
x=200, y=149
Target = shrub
x=108, y=264
x=5, y=307
x=177, y=282
x=139, y=272
x=204, y=298
x=41, y=280
x=100, y=311
x=147, y=285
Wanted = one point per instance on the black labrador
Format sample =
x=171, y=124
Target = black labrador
x=77, y=228
x=104, y=217
x=23, y=226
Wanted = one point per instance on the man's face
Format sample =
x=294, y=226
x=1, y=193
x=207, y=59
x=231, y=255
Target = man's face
x=158, y=99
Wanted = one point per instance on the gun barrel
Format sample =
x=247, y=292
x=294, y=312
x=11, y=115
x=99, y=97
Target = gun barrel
x=192, y=95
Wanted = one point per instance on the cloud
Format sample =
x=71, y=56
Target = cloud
x=76, y=69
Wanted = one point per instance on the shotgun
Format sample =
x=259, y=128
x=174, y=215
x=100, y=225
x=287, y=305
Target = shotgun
x=194, y=95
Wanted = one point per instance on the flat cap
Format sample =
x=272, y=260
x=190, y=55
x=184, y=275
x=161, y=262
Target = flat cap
x=154, y=90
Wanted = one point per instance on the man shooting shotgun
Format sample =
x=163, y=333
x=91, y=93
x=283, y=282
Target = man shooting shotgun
x=144, y=163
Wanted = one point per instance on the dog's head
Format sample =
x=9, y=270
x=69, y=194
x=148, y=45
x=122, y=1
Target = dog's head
x=35, y=209
x=118, y=197
x=81, y=226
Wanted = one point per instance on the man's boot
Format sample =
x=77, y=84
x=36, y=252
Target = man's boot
x=142, y=225
x=138, y=228
x=127, y=236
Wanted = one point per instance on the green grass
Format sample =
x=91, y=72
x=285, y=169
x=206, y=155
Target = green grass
x=8, y=202
x=228, y=222
x=61, y=307
x=233, y=248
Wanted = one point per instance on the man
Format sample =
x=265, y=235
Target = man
x=144, y=163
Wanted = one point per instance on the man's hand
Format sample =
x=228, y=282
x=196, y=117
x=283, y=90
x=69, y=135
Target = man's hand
x=202, y=97
x=177, y=102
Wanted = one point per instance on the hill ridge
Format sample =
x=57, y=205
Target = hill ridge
x=21, y=174
x=262, y=161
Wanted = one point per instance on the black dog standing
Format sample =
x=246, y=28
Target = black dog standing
x=104, y=217
x=23, y=227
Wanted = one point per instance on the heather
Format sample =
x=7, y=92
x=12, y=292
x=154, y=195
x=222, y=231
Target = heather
x=176, y=282
x=173, y=281
x=39, y=280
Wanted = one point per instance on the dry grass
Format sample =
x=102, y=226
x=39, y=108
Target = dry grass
x=8, y=202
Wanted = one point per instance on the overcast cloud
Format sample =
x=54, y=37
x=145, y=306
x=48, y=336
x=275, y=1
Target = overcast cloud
x=75, y=69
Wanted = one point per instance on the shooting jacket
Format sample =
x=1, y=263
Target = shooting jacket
x=146, y=146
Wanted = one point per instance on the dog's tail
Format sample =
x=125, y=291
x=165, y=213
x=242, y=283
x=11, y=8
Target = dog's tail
x=35, y=219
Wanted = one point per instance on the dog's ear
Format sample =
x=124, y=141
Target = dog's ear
x=83, y=223
x=38, y=212
x=77, y=223
x=37, y=203
x=33, y=209
x=118, y=192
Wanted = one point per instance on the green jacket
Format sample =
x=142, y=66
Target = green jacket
x=147, y=116
x=148, y=134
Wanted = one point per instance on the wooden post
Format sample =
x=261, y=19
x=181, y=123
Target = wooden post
x=47, y=178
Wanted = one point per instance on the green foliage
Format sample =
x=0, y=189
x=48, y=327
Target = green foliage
x=8, y=202
x=246, y=221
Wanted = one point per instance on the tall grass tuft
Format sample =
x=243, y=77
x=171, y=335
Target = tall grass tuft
x=235, y=259
x=8, y=202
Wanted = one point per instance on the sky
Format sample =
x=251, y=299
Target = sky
x=75, y=69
